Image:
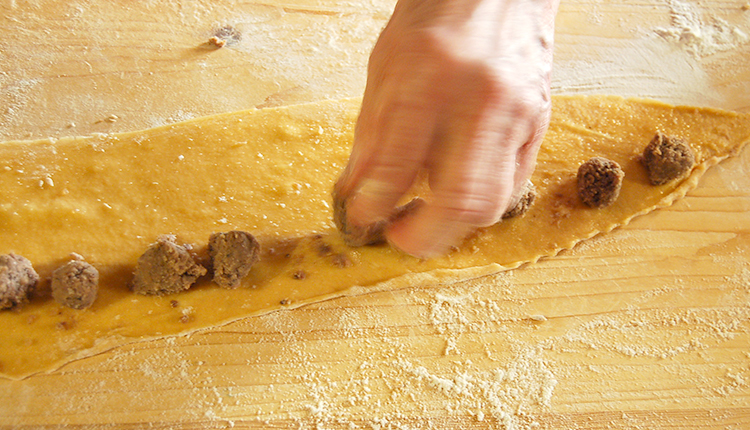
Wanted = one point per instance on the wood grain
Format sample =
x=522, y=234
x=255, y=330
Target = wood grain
x=645, y=327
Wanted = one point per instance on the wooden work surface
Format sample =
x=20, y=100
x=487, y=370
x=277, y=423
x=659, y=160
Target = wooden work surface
x=647, y=327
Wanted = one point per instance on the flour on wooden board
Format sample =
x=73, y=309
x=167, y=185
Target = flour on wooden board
x=510, y=392
x=326, y=62
x=508, y=395
x=677, y=64
x=407, y=383
x=505, y=393
x=700, y=35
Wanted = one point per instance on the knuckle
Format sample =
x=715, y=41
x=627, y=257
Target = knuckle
x=521, y=92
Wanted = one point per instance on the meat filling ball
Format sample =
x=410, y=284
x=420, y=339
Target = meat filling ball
x=528, y=195
x=232, y=254
x=18, y=279
x=165, y=268
x=667, y=158
x=372, y=234
x=75, y=284
x=599, y=182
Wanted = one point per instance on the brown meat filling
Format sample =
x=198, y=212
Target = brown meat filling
x=528, y=195
x=599, y=182
x=232, y=254
x=372, y=234
x=165, y=268
x=667, y=158
x=18, y=279
x=75, y=284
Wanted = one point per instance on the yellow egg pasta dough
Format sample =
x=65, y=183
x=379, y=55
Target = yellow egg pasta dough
x=270, y=172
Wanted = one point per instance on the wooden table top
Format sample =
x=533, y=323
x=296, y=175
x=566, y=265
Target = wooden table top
x=645, y=327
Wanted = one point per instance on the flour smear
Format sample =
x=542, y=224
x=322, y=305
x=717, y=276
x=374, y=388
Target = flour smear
x=682, y=54
x=700, y=35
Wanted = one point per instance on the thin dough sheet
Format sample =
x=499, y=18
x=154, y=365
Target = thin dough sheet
x=270, y=172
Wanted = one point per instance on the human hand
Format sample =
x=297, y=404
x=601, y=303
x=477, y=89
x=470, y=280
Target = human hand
x=459, y=89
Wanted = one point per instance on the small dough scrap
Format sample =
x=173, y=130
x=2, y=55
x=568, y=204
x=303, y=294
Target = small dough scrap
x=227, y=35
x=528, y=195
x=667, y=158
x=165, y=268
x=599, y=182
x=75, y=284
x=232, y=254
x=18, y=279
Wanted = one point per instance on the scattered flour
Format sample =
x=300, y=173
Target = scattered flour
x=508, y=395
x=692, y=59
x=390, y=385
x=643, y=67
x=701, y=36
x=178, y=116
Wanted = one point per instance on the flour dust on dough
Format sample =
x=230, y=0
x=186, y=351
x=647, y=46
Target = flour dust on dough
x=270, y=172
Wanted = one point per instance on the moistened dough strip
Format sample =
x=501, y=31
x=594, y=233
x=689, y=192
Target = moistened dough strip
x=270, y=173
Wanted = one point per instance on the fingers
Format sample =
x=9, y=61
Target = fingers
x=394, y=134
x=472, y=181
x=527, y=154
x=464, y=100
x=366, y=135
x=483, y=159
x=368, y=129
x=392, y=170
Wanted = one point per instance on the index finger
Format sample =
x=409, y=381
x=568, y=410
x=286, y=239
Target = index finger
x=385, y=165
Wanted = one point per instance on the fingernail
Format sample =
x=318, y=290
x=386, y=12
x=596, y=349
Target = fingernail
x=366, y=206
x=374, y=188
